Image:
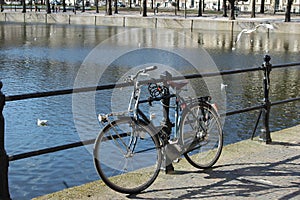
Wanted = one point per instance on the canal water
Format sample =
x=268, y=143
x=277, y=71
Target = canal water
x=36, y=58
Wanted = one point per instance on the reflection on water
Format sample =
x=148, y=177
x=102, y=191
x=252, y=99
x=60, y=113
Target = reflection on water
x=47, y=57
x=254, y=42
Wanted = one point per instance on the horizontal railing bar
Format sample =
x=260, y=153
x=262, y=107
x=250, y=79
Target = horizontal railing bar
x=225, y=72
x=244, y=110
x=285, y=101
x=275, y=66
x=237, y=71
x=49, y=150
x=62, y=92
x=87, y=142
x=111, y=86
x=58, y=148
x=261, y=106
x=38, y=95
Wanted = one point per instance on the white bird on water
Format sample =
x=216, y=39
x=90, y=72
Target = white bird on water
x=42, y=122
x=247, y=31
x=223, y=86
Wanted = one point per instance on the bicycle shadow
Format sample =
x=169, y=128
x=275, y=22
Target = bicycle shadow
x=237, y=180
x=275, y=143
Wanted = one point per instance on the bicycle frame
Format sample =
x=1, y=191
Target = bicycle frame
x=137, y=114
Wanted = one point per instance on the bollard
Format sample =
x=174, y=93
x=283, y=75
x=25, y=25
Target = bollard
x=4, y=192
x=265, y=131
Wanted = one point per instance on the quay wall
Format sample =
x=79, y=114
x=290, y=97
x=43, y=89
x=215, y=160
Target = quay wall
x=193, y=23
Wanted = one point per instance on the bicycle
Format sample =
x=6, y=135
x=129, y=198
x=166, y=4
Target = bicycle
x=129, y=151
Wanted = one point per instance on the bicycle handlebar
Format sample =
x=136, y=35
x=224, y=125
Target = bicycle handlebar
x=151, y=68
x=147, y=69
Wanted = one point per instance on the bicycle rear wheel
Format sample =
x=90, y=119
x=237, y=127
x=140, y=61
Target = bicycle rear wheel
x=127, y=156
x=202, y=135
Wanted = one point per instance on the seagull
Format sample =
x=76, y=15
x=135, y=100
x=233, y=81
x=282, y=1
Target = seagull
x=103, y=118
x=42, y=122
x=223, y=86
x=247, y=31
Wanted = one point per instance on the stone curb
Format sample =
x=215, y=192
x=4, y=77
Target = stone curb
x=247, y=169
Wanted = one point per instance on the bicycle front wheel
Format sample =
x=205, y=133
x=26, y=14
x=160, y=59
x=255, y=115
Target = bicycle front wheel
x=127, y=156
x=202, y=135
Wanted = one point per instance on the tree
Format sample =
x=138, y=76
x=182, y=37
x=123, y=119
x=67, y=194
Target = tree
x=174, y=4
x=275, y=3
x=48, y=6
x=97, y=6
x=1, y=5
x=288, y=11
x=116, y=7
x=64, y=6
x=30, y=3
x=224, y=8
x=200, y=8
x=109, y=10
x=24, y=6
x=262, y=6
x=253, y=9
x=144, y=8
x=83, y=6
x=232, y=16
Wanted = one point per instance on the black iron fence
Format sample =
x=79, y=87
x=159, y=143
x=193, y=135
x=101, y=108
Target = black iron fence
x=264, y=108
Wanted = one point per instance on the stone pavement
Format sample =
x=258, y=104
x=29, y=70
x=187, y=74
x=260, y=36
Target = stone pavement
x=245, y=170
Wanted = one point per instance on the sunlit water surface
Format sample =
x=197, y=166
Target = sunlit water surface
x=35, y=58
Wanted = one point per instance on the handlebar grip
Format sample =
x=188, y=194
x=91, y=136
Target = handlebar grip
x=151, y=68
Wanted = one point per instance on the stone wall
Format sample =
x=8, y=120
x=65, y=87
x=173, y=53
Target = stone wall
x=148, y=22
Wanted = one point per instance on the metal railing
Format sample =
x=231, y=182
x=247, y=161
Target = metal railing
x=264, y=113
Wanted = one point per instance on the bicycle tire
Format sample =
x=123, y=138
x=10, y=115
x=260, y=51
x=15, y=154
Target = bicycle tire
x=201, y=134
x=123, y=170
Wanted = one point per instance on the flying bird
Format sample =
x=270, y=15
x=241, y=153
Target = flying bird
x=223, y=86
x=247, y=31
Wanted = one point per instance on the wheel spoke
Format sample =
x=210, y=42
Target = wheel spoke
x=135, y=167
x=202, y=134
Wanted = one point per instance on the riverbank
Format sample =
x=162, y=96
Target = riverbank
x=161, y=20
x=247, y=169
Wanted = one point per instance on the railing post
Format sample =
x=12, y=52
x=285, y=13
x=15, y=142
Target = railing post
x=4, y=192
x=166, y=125
x=265, y=131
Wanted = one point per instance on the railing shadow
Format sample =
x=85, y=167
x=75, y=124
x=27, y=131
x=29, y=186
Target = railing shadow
x=238, y=180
